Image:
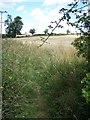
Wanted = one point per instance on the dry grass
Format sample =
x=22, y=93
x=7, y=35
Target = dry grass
x=52, y=41
x=53, y=75
x=59, y=45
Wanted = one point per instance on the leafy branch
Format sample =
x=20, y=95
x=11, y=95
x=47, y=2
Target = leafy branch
x=66, y=16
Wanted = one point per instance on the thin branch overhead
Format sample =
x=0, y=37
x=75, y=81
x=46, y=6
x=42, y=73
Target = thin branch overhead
x=57, y=23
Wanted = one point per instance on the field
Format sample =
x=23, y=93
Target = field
x=43, y=82
x=52, y=41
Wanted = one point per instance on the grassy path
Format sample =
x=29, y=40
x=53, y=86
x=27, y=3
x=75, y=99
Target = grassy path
x=42, y=83
x=42, y=108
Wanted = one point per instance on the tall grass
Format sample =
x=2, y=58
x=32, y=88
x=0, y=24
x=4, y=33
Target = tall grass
x=56, y=71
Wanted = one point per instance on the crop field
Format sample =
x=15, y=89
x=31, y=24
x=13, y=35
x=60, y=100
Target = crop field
x=42, y=82
x=52, y=41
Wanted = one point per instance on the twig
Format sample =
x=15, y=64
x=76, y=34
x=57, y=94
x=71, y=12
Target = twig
x=75, y=117
x=57, y=23
x=45, y=39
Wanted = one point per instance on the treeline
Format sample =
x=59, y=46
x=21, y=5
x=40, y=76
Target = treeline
x=23, y=35
x=14, y=27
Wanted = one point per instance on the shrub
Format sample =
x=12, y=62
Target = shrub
x=86, y=89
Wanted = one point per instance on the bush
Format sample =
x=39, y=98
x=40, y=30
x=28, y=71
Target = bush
x=4, y=36
x=86, y=89
x=81, y=45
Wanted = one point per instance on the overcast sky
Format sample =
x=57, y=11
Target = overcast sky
x=35, y=13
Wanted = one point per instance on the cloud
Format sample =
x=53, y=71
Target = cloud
x=42, y=16
x=41, y=19
x=39, y=15
x=54, y=2
x=20, y=8
x=6, y=4
x=45, y=15
x=6, y=1
x=9, y=3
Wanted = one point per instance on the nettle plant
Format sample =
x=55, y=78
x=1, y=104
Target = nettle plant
x=80, y=11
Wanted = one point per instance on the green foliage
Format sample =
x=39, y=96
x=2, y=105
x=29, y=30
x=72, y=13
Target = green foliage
x=62, y=90
x=45, y=31
x=82, y=23
x=81, y=45
x=18, y=88
x=32, y=31
x=68, y=31
x=25, y=67
x=4, y=36
x=86, y=89
x=13, y=27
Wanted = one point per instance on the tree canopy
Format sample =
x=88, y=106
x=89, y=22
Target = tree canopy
x=13, y=26
x=32, y=31
x=82, y=44
x=68, y=31
x=45, y=31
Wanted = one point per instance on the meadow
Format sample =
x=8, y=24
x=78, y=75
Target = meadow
x=43, y=82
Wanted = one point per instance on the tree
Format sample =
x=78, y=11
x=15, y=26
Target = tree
x=13, y=26
x=32, y=31
x=82, y=44
x=82, y=23
x=68, y=31
x=46, y=31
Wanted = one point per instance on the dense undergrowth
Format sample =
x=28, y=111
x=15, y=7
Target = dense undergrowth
x=58, y=76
